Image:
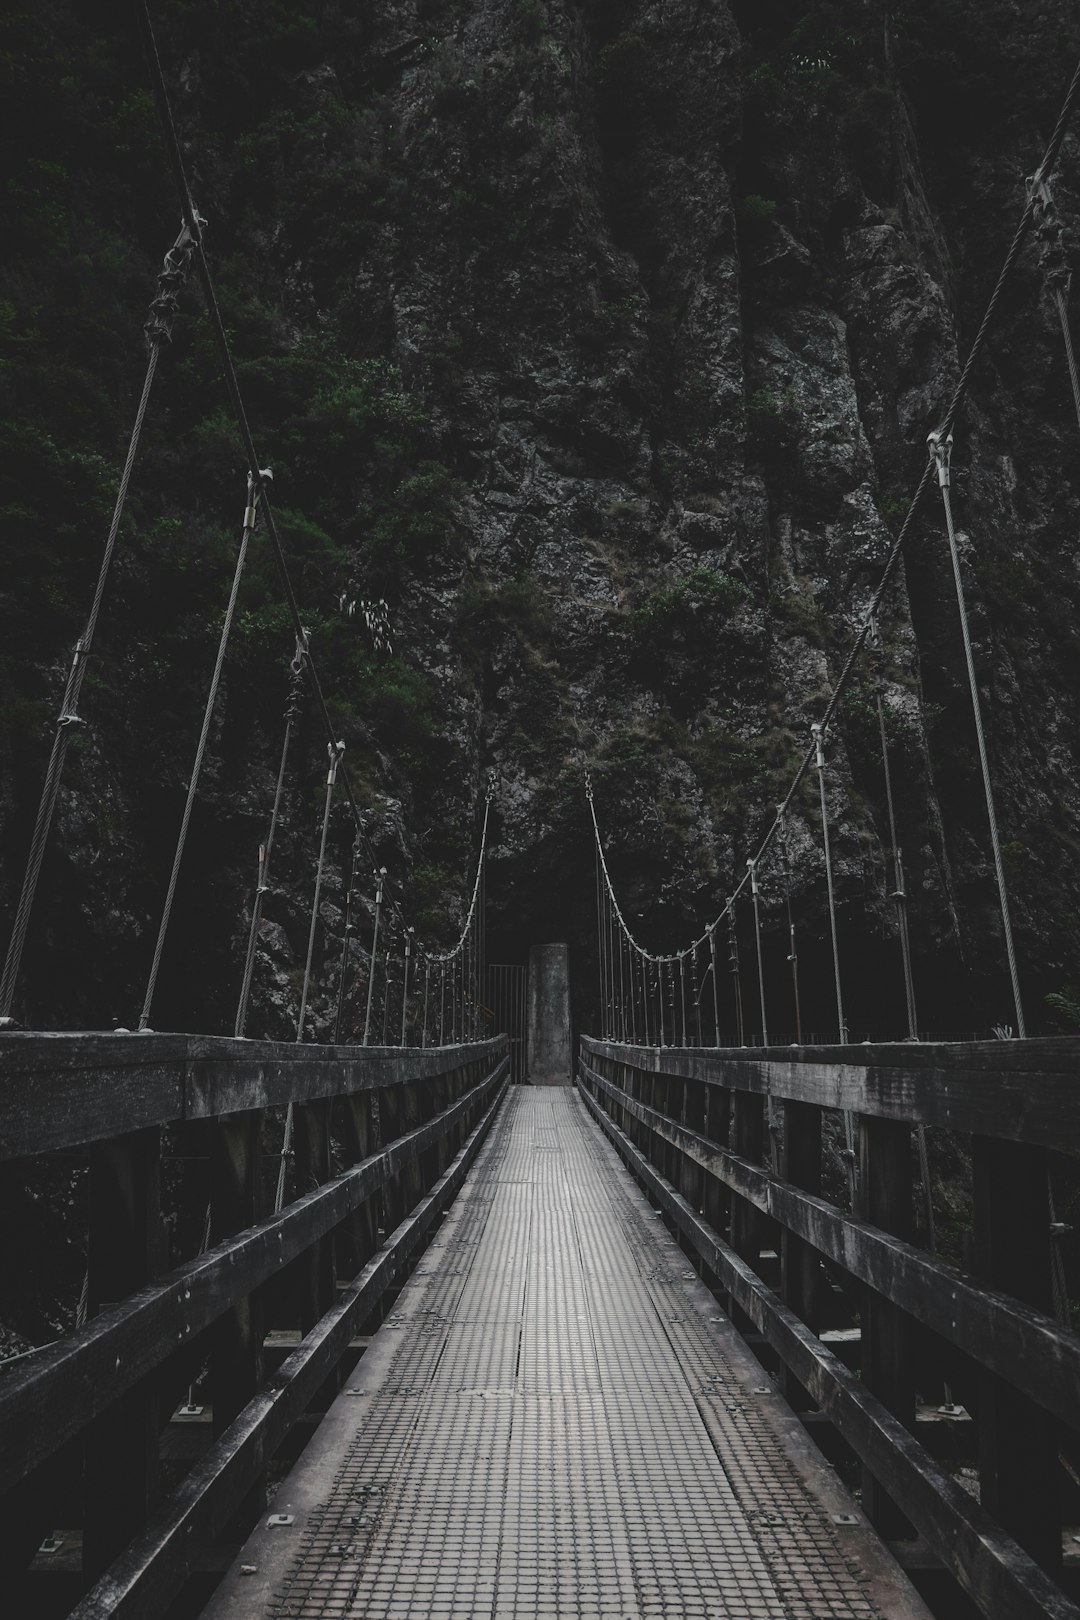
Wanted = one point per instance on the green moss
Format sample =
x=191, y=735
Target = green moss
x=703, y=592
x=757, y=209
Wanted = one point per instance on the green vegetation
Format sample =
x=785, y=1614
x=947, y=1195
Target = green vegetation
x=702, y=593
x=757, y=209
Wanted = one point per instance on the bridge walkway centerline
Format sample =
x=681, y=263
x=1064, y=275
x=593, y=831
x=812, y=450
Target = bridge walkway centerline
x=556, y=1420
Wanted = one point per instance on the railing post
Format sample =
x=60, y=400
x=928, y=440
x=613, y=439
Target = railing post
x=888, y=1368
x=393, y=1194
x=1018, y=1451
x=694, y=1119
x=800, y=1269
x=359, y=1235
x=717, y=1200
x=121, y=1478
x=749, y=1142
x=236, y=1345
x=313, y=1168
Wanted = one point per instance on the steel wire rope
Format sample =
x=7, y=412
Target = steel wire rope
x=158, y=328
x=194, y=226
x=334, y=753
x=793, y=952
x=1042, y=175
x=292, y=713
x=755, y=894
x=248, y=528
x=940, y=459
x=348, y=933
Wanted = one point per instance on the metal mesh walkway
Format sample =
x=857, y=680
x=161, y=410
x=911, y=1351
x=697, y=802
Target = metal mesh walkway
x=555, y=1421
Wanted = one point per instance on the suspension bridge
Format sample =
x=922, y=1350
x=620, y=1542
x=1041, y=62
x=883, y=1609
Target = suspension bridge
x=670, y=1334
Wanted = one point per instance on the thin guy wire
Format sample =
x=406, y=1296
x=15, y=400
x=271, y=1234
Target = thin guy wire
x=984, y=763
x=68, y=717
x=760, y=964
x=959, y=394
x=286, y=1145
x=200, y=751
x=292, y=710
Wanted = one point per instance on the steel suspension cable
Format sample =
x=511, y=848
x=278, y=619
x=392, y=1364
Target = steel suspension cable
x=755, y=896
x=292, y=713
x=335, y=752
x=793, y=953
x=715, y=985
x=248, y=528
x=158, y=329
x=194, y=224
x=940, y=452
x=899, y=895
x=379, y=880
x=348, y=934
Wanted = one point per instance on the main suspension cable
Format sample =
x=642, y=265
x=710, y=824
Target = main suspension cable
x=158, y=330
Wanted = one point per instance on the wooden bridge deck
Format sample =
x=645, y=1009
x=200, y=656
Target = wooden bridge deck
x=556, y=1420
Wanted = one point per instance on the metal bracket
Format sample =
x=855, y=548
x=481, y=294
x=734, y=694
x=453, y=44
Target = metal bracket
x=941, y=455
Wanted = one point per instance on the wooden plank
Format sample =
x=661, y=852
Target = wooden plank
x=1018, y=1443
x=143, y=1581
x=237, y=1339
x=313, y=1272
x=62, y=1091
x=51, y=1398
x=236, y=1353
x=1023, y=1345
x=800, y=1266
x=358, y=1234
x=120, y=1479
x=1000, y=1577
x=989, y=1087
x=888, y=1370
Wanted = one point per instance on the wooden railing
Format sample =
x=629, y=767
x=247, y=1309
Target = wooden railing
x=694, y=1126
x=382, y=1140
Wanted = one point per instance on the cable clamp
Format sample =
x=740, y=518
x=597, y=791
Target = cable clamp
x=751, y=867
x=940, y=449
x=66, y=720
x=817, y=731
x=335, y=751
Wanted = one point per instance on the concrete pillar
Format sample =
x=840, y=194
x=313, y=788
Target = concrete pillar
x=550, y=1055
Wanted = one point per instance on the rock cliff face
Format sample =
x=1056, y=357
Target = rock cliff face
x=602, y=340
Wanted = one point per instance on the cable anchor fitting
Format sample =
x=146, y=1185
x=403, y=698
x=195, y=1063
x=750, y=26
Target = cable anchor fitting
x=940, y=449
x=817, y=731
x=164, y=306
x=334, y=752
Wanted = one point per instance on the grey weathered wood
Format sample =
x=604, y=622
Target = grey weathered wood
x=1018, y=1443
x=60, y=1091
x=313, y=1272
x=143, y=1580
x=52, y=1397
x=236, y=1353
x=1018, y=1090
x=1023, y=1345
x=237, y=1339
x=885, y=1183
x=358, y=1233
x=121, y=1469
x=800, y=1265
x=1000, y=1576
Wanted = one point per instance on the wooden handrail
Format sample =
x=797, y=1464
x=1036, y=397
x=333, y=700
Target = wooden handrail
x=65, y=1091
x=1021, y=1091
